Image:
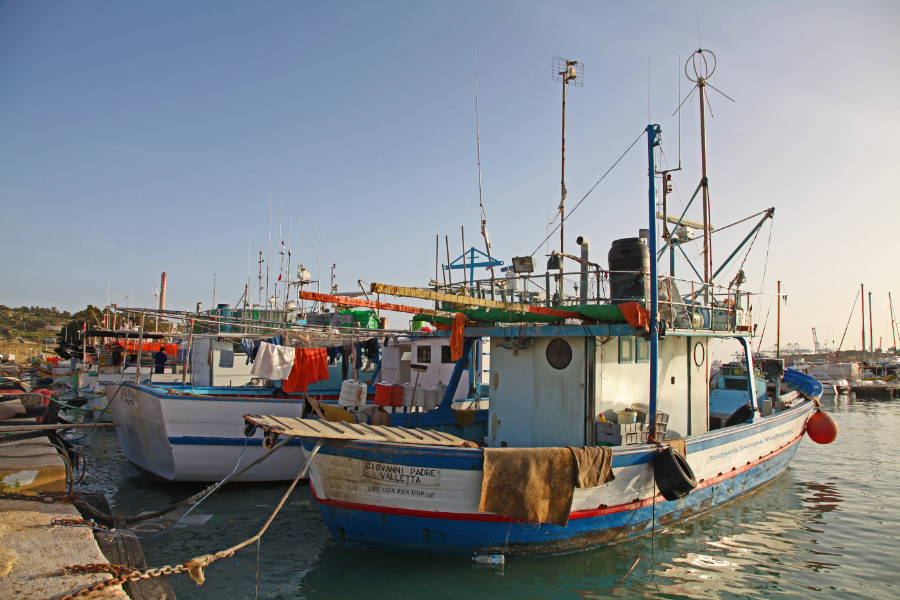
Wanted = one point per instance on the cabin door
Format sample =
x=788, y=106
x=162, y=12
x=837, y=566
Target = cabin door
x=559, y=386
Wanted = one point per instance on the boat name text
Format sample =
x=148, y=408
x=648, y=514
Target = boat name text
x=129, y=396
x=401, y=474
x=751, y=445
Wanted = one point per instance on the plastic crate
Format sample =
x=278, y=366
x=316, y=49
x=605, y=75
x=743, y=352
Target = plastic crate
x=621, y=435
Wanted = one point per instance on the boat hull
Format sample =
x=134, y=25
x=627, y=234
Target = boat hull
x=179, y=437
x=386, y=496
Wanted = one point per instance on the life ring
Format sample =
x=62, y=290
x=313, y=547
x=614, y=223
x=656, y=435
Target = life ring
x=741, y=415
x=674, y=476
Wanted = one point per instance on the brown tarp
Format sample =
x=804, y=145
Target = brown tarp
x=538, y=484
x=679, y=446
x=593, y=466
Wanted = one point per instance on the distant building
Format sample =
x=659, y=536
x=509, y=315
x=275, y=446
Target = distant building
x=56, y=328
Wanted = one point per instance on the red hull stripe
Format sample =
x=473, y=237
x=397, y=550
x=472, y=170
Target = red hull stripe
x=581, y=514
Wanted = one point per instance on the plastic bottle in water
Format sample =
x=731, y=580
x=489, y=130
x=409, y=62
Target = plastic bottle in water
x=490, y=559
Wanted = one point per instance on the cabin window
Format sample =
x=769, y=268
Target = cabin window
x=423, y=354
x=642, y=350
x=446, y=355
x=226, y=359
x=626, y=349
x=559, y=354
x=735, y=384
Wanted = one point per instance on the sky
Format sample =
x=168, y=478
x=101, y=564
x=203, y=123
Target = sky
x=143, y=137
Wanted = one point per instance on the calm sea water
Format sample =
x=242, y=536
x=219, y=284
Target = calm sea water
x=828, y=528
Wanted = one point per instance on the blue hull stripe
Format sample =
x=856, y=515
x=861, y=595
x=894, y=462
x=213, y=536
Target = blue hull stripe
x=473, y=459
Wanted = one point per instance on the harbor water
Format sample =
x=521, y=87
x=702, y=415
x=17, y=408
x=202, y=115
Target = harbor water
x=829, y=527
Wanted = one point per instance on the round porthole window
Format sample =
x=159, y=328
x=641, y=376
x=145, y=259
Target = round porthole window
x=699, y=354
x=559, y=354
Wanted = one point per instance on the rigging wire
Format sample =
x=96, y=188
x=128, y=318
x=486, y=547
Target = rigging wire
x=848, y=323
x=569, y=214
x=718, y=229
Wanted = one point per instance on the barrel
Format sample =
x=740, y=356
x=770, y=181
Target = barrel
x=629, y=263
x=397, y=395
x=383, y=394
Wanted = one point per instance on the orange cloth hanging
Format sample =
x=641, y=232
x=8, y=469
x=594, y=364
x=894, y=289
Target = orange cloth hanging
x=456, y=337
x=310, y=366
x=637, y=316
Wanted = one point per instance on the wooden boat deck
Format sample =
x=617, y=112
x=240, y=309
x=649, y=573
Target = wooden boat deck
x=312, y=428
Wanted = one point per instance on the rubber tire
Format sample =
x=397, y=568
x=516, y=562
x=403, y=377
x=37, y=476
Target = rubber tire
x=741, y=415
x=674, y=476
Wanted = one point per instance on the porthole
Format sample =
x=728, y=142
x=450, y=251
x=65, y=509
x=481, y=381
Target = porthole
x=559, y=354
x=699, y=354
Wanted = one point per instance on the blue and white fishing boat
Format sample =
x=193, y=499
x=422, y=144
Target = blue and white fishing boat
x=192, y=429
x=600, y=426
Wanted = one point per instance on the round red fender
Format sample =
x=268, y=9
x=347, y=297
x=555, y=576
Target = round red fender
x=821, y=428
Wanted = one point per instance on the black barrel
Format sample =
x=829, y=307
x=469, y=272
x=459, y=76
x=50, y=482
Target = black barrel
x=629, y=263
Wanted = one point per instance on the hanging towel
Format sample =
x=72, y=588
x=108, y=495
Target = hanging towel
x=273, y=362
x=310, y=366
x=456, y=337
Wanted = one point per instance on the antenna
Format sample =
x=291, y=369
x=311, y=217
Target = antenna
x=484, y=233
x=569, y=72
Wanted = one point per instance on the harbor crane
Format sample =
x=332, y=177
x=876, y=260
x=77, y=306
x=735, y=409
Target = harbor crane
x=817, y=349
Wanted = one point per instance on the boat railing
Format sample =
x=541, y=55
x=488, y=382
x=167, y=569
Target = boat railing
x=683, y=303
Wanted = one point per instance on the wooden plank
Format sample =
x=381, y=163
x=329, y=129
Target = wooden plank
x=311, y=428
x=393, y=290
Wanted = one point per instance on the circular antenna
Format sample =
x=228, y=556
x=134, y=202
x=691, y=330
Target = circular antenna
x=702, y=63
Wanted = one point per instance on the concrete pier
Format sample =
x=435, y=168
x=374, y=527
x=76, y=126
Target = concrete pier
x=30, y=546
x=33, y=547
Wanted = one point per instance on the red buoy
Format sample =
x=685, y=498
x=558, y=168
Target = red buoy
x=821, y=428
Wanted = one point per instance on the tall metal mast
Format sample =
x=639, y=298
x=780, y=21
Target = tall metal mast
x=568, y=72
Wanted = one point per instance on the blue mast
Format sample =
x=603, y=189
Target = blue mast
x=652, y=137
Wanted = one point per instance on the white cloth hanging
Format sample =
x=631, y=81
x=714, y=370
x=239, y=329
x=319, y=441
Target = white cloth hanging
x=273, y=362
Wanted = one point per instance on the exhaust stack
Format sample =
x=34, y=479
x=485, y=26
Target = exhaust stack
x=162, y=292
x=585, y=258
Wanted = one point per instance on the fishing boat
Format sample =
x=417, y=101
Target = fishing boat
x=191, y=429
x=601, y=424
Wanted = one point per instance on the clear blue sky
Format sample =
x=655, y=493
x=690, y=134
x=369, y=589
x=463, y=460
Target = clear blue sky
x=142, y=137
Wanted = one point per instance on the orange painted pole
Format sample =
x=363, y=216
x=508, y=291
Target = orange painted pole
x=345, y=301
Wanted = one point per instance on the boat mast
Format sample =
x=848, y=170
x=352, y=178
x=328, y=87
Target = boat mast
x=893, y=323
x=871, y=334
x=484, y=233
x=566, y=71
x=862, y=294
x=702, y=72
x=652, y=141
x=778, y=321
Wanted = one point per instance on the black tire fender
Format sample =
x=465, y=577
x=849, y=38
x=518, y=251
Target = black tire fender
x=674, y=476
